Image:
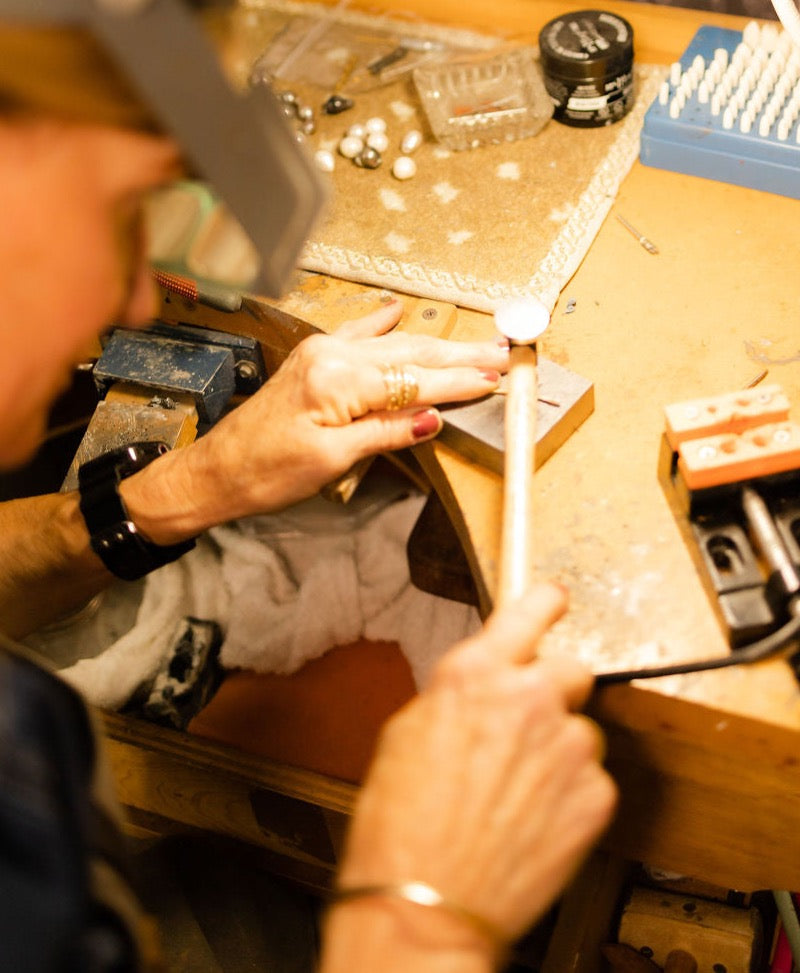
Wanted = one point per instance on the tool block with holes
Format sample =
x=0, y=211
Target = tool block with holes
x=729, y=111
x=716, y=454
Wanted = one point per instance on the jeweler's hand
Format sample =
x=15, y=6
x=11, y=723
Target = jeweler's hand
x=488, y=785
x=336, y=398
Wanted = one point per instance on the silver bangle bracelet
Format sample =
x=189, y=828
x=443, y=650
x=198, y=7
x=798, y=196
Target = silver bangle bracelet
x=420, y=893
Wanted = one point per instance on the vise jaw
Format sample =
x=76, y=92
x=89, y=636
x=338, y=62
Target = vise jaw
x=164, y=382
x=183, y=360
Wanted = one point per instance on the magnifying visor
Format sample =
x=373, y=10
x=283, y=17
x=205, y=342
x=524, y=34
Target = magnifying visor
x=150, y=65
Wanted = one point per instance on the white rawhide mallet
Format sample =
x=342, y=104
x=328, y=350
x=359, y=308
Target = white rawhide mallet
x=522, y=322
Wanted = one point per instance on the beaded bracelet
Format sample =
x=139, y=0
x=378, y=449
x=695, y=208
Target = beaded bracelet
x=420, y=893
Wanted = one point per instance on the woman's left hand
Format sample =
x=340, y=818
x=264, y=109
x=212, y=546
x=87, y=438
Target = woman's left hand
x=336, y=399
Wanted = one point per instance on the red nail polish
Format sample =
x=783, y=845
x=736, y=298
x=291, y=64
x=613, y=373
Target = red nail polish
x=425, y=424
x=490, y=375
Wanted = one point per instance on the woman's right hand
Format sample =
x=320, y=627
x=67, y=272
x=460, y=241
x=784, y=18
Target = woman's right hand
x=488, y=786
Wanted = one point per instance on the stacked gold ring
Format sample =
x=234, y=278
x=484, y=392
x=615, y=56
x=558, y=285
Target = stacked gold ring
x=402, y=388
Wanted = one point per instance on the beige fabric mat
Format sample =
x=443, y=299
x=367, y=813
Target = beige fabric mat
x=475, y=227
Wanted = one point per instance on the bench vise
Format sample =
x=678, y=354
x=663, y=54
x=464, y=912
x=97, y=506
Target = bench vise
x=730, y=468
x=174, y=379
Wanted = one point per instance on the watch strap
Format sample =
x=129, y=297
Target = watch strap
x=113, y=535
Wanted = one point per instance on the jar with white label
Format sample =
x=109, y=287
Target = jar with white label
x=587, y=60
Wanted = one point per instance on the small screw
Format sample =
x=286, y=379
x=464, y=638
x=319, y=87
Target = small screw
x=246, y=370
x=161, y=402
x=429, y=313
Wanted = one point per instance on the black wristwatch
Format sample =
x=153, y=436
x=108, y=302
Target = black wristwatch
x=114, y=538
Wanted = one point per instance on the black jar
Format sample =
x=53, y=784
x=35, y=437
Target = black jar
x=587, y=60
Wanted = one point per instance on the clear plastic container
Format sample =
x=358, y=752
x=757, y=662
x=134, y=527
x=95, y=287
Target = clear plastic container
x=484, y=98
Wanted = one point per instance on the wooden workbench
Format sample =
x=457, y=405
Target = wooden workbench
x=709, y=764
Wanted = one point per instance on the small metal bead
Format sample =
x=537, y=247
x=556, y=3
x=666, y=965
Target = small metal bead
x=305, y=113
x=258, y=76
x=336, y=104
x=287, y=110
x=309, y=127
x=368, y=158
x=288, y=97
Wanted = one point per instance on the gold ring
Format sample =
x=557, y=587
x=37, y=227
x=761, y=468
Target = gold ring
x=402, y=388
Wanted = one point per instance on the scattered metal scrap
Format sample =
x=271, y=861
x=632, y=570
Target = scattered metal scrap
x=649, y=246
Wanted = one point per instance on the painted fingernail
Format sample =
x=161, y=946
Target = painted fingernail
x=426, y=423
x=503, y=341
x=490, y=375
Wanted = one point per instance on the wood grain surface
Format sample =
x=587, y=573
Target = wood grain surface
x=707, y=763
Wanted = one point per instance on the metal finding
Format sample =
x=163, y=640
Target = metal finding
x=649, y=246
x=402, y=388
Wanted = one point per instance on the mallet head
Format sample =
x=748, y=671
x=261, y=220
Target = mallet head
x=522, y=320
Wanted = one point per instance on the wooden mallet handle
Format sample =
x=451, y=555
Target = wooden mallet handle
x=522, y=322
x=517, y=541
